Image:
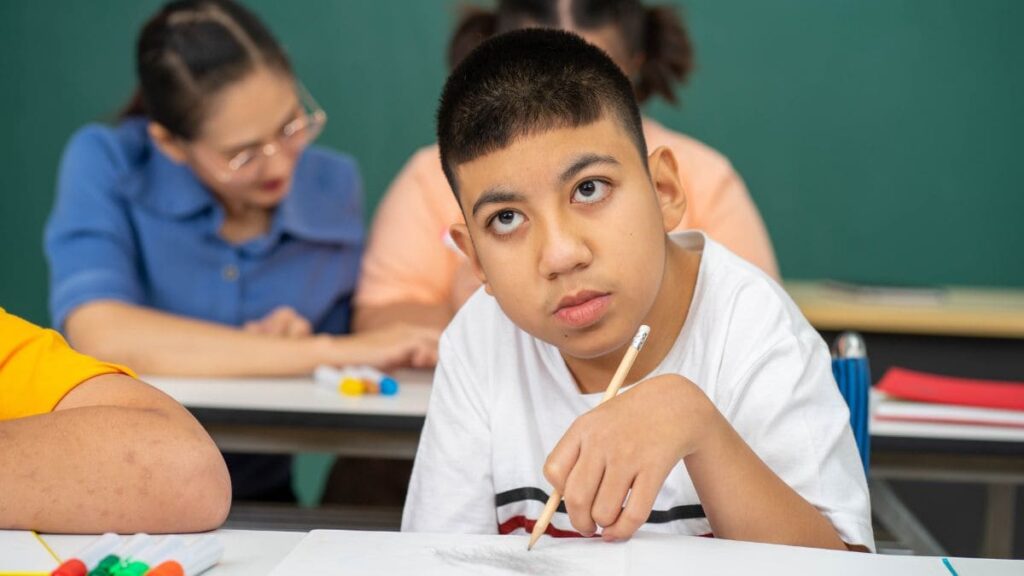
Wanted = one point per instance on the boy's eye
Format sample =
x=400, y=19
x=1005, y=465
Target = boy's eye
x=590, y=191
x=505, y=222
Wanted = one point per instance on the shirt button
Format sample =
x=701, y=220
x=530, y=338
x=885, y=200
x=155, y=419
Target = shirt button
x=230, y=273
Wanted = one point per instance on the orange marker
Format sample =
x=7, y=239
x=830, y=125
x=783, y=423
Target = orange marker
x=195, y=559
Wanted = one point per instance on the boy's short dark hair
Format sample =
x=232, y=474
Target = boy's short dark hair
x=526, y=82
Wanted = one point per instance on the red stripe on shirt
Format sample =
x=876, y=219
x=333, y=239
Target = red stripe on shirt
x=516, y=522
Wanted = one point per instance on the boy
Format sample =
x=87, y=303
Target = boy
x=87, y=448
x=734, y=427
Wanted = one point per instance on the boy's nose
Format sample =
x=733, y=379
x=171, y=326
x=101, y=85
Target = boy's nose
x=563, y=250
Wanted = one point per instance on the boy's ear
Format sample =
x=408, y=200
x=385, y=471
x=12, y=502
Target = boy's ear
x=667, y=186
x=460, y=234
x=167, y=143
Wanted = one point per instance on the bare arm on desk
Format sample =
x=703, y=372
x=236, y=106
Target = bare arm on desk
x=635, y=439
x=114, y=455
x=150, y=341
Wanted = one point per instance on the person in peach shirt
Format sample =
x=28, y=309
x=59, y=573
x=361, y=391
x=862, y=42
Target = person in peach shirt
x=413, y=273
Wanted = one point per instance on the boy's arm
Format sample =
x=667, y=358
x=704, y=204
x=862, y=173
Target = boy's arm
x=115, y=455
x=745, y=500
x=634, y=441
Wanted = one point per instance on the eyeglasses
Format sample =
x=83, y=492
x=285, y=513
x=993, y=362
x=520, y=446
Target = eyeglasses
x=245, y=166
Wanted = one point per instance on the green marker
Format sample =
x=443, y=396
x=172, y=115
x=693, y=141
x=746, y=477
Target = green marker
x=125, y=551
x=138, y=564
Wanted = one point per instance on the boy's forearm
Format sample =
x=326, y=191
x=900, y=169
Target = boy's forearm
x=102, y=468
x=745, y=500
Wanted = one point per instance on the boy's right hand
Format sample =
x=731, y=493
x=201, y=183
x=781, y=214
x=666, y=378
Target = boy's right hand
x=611, y=463
x=400, y=346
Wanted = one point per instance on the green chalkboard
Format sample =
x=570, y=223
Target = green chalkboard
x=879, y=137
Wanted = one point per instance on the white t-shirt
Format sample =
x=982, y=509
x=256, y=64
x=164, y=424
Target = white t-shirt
x=502, y=399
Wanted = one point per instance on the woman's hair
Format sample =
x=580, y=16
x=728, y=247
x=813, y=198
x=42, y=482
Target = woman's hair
x=657, y=33
x=191, y=50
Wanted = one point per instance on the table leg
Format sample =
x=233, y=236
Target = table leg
x=997, y=541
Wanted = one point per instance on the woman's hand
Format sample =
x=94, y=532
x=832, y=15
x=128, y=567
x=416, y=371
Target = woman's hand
x=282, y=321
x=399, y=346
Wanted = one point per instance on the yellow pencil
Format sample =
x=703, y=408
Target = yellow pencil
x=611, y=391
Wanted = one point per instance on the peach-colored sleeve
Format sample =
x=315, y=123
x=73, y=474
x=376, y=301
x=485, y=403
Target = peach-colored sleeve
x=406, y=258
x=717, y=200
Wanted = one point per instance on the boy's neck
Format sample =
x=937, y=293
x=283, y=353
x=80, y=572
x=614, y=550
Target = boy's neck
x=666, y=319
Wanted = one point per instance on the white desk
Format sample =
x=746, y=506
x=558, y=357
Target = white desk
x=256, y=553
x=289, y=415
x=246, y=552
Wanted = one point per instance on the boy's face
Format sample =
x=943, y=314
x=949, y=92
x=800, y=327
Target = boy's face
x=566, y=229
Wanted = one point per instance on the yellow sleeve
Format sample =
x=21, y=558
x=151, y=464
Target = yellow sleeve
x=37, y=368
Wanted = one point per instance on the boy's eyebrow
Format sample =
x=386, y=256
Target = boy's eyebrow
x=583, y=162
x=498, y=194
x=494, y=196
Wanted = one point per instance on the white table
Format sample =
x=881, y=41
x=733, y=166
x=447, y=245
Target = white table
x=289, y=415
x=246, y=552
x=255, y=553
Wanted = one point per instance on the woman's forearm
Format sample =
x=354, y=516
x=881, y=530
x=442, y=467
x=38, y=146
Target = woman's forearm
x=154, y=342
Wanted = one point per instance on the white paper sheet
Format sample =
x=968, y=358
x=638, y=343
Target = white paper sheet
x=334, y=552
x=20, y=551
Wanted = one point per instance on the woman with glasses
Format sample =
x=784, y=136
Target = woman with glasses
x=202, y=234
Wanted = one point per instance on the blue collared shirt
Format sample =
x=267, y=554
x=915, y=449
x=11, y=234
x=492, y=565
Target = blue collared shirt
x=131, y=225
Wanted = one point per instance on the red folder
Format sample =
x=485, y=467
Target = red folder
x=919, y=386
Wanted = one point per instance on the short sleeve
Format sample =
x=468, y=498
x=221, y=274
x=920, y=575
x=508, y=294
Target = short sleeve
x=452, y=486
x=89, y=240
x=717, y=199
x=38, y=368
x=788, y=409
x=407, y=258
x=731, y=218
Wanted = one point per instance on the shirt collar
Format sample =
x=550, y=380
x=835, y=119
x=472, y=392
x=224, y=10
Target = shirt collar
x=160, y=184
x=324, y=204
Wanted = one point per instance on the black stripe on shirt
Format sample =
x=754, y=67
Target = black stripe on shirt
x=683, y=512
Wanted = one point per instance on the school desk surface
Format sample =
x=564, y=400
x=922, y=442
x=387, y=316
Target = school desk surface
x=329, y=552
x=256, y=552
x=975, y=312
x=246, y=552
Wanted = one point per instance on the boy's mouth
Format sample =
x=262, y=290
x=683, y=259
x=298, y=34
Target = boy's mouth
x=582, y=309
